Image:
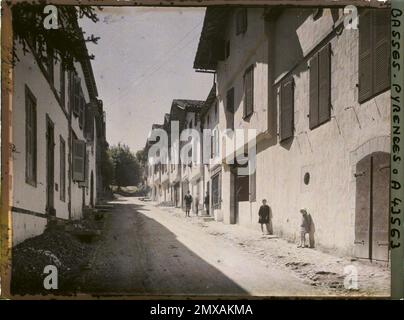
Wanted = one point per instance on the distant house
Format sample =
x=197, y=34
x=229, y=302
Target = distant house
x=58, y=133
x=318, y=96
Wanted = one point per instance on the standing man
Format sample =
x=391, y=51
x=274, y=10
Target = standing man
x=206, y=202
x=265, y=217
x=188, y=202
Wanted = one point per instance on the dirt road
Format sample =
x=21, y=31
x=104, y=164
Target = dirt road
x=146, y=251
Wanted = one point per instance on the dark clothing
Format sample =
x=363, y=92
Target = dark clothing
x=265, y=214
x=188, y=200
x=206, y=201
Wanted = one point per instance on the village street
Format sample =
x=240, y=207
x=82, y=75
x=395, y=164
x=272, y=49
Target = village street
x=148, y=250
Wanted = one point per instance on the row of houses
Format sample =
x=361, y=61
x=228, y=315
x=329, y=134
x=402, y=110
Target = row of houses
x=58, y=137
x=316, y=95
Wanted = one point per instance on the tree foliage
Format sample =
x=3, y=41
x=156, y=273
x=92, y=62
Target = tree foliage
x=127, y=170
x=67, y=41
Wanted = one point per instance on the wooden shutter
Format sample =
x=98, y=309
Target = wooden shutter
x=62, y=85
x=62, y=159
x=249, y=92
x=79, y=154
x=76, y=104
x=365, y=55
x=86, y=169
x=287, y=110
x=381, y=53
x=81, y=110
x=89, y=121
x=30, y=137
x=71, y=90
x=324, y=104
x=313, y=113
x=230, y=100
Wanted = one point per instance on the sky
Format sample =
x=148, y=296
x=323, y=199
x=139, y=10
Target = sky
x=144, y=60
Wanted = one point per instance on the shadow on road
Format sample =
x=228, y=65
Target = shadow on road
x=140, y=256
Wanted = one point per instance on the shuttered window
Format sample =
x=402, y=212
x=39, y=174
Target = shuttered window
x=82, y=104
x=287, y=110
x=230, y=100
x=89, y=122
x=76, y=93
x=49, y=65
x=30, y=138
x=62, y=169
x=216, y=191
x=320, y=87
x=249, y=92
x=374, y=53
x=241, y=21
x=79, y=155
x=62, y=85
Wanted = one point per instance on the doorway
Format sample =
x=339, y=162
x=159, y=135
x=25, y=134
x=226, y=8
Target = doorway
x=50, y=167
x=372, y=207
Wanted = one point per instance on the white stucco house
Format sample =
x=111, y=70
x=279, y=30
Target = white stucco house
x=317, y=96
x=58, y=127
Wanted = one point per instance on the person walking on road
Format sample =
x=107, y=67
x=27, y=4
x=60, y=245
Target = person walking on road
x=265, y=217
x=188, y=202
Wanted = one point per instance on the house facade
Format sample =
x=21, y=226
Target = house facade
x=316, y=97
x=58, y=130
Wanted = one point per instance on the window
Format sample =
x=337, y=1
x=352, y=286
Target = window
x=82, y=104
x=241, y=21
x=62, y=85
x=230, y=100
x=89, y=122
x=374, y=53
x=76, y=95
x=79, y=154
x=49, y=65
x=320, y=87
x=30, y=138
x=216, y=191
x=214, y=143
x=62, y=169
x=249, y=92
x=286, y=110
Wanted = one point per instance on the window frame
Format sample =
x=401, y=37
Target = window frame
x=62, y=173
x=31, y=177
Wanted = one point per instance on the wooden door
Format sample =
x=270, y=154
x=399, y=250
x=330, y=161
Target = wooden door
x=372, y=207
x=362, y=212
x=380, y=205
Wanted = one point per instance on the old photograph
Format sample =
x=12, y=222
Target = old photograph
x=203, y=151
